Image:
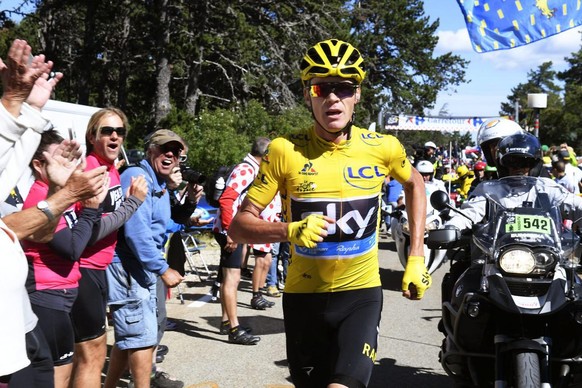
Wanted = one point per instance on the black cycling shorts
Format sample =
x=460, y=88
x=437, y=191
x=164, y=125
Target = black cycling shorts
x=332, y=337
x=228, y=259
x=57, y=328
x=40, y=372
x=89, y=311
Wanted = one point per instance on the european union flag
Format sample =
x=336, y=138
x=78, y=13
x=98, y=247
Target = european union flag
x=504, y=24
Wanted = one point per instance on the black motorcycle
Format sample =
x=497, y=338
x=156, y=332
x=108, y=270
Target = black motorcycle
x=512, y=307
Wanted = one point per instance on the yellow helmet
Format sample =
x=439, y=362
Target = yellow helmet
x=462, y=170
x=332, y=58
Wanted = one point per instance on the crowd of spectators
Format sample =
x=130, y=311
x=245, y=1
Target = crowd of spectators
x=464, y=171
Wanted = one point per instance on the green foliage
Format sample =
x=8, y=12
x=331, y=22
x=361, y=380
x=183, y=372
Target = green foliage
x=213, y=138
x=224, y=136
x=291, y=119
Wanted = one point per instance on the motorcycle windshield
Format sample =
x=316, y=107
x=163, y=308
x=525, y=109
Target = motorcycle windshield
x=523, y=210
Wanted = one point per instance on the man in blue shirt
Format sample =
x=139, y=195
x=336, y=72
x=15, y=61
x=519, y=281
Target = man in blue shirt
x=139, y=260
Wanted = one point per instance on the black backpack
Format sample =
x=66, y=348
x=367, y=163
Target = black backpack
x=212, y=193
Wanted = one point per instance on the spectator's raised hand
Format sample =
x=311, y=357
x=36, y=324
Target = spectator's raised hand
x=43, y=88
x=83, y=185
x=97, y=200
x=138, y=188
x=174, y=179
x=120, y=164
x=63, y=161
x=19, y=74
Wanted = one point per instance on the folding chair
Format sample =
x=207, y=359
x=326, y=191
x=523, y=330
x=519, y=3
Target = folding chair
x=183, y=248
x=193, y=252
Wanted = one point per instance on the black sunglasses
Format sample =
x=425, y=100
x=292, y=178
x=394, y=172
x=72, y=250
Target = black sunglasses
x=108, y=131
x=174, y=149
x=340, y=89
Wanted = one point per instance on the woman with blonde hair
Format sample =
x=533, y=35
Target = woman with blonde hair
x=106, y=132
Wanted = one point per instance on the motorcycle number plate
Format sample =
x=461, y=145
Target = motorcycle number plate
x=520, y=223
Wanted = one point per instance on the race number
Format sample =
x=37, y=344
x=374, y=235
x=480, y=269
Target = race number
x=526, y=223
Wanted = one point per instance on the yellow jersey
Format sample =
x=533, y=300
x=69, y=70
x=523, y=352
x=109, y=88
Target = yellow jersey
x=342, y=181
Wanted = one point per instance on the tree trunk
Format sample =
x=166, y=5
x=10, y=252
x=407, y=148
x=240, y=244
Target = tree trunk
x=163, y=68
x=88, y=52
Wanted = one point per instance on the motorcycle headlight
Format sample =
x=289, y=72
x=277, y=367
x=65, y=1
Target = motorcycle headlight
x=544, y=259
x=517, y=261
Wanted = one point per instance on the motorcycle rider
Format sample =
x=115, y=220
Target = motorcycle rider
x=519, y=155
x=490, y=133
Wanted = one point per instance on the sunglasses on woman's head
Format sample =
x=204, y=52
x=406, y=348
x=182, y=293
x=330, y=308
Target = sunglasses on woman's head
x=340, y=89
x=108, y=131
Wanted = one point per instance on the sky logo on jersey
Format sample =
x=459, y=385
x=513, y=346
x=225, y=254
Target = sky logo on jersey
x=354, y=230
x=364, y=177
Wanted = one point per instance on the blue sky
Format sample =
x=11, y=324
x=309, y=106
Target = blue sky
x=493, y=74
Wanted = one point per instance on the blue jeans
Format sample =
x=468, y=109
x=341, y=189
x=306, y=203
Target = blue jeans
x=282, y=254
x=133, y=308
x=272, y=274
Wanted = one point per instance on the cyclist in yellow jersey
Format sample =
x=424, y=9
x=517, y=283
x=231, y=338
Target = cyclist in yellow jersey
x=330, y=178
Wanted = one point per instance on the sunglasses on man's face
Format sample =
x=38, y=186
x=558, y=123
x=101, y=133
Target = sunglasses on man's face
x=108, y=131
x=176, y=150
x=340, y=89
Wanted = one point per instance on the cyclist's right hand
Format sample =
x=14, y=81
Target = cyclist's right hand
x=309, y=231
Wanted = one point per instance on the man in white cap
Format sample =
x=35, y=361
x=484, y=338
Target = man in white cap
x=429, y=153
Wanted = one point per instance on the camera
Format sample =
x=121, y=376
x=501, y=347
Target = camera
x=192, y=176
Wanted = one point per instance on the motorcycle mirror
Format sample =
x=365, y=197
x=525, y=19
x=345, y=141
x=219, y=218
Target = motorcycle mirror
x=439, y=200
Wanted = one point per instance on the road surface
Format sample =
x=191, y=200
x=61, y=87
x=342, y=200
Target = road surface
x=202, y=358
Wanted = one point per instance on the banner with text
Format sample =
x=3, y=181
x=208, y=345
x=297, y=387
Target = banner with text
x=441, y=124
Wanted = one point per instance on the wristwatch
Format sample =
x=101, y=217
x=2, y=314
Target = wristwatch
x=43, y=206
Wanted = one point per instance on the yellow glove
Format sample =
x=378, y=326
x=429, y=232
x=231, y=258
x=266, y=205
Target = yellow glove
x=417, y=274
x=306, y=233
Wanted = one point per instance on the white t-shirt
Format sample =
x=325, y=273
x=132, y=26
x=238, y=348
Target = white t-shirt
x=14, y=303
